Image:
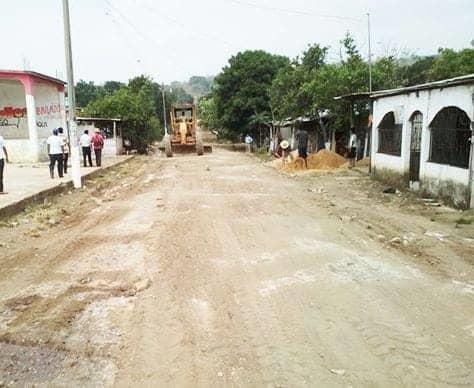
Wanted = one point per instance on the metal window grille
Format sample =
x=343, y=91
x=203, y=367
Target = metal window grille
x=390, y=136
x=450, y=135
x=416, y=128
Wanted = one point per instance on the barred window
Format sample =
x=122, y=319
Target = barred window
x=450, y=134
x=390, y=136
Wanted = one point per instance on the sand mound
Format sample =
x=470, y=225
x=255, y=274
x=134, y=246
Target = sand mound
x=323, y=160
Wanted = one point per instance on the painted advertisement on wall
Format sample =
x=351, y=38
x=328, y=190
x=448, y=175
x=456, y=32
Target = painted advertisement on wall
x=13, y=113
x=13, y=117
x=49, y=111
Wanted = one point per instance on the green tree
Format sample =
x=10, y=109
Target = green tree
x=242, y=88
x=415, y=70
x=451, y=63
x=207, y=112
x=112, y=86
x=289, y=93
x=87, y=92
x=135, y=104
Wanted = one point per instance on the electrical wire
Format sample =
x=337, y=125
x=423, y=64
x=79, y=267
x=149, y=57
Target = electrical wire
x=192, y=31
x=293, y=12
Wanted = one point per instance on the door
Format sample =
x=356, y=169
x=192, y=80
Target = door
x=415, y=146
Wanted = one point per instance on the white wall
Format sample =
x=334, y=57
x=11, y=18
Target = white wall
x=12, y=97
x=49, y=115
x=429, y=103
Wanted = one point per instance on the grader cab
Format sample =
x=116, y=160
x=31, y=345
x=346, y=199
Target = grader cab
x=184, y=135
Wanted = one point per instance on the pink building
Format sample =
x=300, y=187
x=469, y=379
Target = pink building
x=31, y=106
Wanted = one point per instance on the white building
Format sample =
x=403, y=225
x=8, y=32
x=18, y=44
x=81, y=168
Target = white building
x=422, y=137
x=31, y=106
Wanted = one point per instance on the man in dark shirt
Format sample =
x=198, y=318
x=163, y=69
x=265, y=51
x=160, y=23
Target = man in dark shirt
x=302, y=138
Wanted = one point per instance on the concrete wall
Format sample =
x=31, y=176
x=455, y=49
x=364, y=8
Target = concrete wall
x=448, y=182
x=48, y=113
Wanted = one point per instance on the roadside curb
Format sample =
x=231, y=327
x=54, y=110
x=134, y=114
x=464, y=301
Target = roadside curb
x=17, y=207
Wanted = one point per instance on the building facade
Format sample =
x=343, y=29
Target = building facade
x=422, y=138
x=31, y=106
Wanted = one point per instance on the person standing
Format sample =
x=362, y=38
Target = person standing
x=302, y=138
x=3, y=159
x=352, y=147
x=65, y=140
x=56, y=153
x=85, y=142
x=183, y=129
x=248, y=142
x=98, y=144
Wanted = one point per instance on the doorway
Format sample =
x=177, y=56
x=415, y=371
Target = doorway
x=415, y=146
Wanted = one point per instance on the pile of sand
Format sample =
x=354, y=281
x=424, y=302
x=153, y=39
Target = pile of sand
x=323, y=160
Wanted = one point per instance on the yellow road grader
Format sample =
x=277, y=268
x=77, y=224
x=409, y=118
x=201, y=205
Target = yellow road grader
x=184, y=135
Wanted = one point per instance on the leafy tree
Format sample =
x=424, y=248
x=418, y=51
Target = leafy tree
x=415, y=70
x=207, y=112
x=87, y=92
x=135, y=104
x=450, y=63
x=112, y=86
x=289, y=93
x=243, y=88
x=314, y=57
x=199, y=86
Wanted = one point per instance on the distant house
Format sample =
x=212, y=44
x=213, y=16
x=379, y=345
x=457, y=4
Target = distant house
x=31, y=106
x=110, y=129
x=422, y=137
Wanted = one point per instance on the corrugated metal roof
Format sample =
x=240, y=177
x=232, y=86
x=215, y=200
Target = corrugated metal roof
x=96, y=119
x=466, y=79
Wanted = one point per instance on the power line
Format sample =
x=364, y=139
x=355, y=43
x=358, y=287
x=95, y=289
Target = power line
x=145, y=37
x=293, y=12
x=192, y=31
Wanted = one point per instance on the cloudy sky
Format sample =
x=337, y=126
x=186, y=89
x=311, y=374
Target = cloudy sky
x=174, y=39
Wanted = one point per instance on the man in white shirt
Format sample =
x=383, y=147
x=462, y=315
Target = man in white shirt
x=352, y=148
x=3, y=159
x=56, y=153
x=65, y=140
x=248, y=142
x=85, y=142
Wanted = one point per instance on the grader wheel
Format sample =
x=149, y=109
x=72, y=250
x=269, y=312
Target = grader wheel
x=168, y=149
x=199, y=144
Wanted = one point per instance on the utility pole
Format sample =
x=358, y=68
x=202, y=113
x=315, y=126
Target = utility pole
x=76, y=166
x=370, y=54
x=366, y=142
x=164, y=107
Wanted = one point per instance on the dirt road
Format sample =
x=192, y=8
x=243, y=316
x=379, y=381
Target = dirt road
x=218, y=271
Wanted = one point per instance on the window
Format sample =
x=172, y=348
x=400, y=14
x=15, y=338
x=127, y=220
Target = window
x=450, y=134
x=390, y=136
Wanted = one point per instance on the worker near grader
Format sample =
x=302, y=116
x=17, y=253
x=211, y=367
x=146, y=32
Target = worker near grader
x=183, y=128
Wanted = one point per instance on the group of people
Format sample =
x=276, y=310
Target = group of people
x=87, y=143
x=59, y=148
x=58, y=151
x=302, y=138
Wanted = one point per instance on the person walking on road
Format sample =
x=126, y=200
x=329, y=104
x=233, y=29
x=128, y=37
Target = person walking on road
x=3, y=159
x=352, y=148
x=302, y=138
x=85, y=142
x=56, y=153
x=98, y=144
x=65, y=140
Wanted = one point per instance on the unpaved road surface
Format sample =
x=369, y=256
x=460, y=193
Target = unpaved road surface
x=218, y=271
